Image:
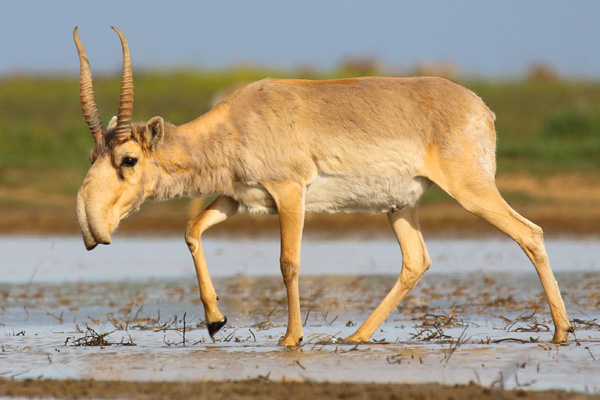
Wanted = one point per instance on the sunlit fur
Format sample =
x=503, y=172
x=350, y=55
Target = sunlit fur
x=354, y=144
x=296, y=146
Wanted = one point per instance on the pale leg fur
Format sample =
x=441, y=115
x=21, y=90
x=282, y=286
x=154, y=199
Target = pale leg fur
x=485, y=201
x=289, y=198
x=221, y=209
x=415, y=261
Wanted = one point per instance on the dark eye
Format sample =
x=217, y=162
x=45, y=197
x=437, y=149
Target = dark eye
x=128, y=162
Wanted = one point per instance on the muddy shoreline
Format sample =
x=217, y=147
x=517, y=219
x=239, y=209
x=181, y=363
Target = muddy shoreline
x=443, y=219
x=453, y=329
x=263, y=389
x=563, y=204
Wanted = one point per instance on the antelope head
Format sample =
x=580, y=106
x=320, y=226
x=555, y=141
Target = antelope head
x=121, y=176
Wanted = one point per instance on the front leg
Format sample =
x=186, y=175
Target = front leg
x=289, y=198
x=220, y=209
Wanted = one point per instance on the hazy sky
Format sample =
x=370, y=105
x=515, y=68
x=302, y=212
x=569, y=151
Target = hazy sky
x=491, y=38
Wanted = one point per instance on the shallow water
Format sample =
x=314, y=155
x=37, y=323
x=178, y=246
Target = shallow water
x=60, y=259
x=478, y=315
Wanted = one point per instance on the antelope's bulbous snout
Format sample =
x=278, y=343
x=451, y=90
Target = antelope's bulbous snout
x=106, y=197
x=93, y=230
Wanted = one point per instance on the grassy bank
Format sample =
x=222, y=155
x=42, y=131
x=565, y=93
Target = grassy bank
x=545, y=127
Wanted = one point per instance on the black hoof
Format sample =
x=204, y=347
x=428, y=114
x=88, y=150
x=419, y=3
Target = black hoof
x=214, y=327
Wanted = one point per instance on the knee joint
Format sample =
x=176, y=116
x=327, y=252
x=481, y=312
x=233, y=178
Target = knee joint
x=192, y=236
x=290, y=268
x=538, y=233
x=534, y=244
x=413, y=270
x=426, y=262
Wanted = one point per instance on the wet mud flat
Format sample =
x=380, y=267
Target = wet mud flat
x=128, y=317
x=490, y=330
x=261, y=389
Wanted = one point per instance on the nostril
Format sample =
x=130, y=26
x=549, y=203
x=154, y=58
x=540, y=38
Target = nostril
x=90, y=247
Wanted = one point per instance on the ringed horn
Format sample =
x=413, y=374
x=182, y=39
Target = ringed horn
x=86, y=93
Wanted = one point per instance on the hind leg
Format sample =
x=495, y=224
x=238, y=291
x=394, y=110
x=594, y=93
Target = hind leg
x=415, y=261
x=481, y=197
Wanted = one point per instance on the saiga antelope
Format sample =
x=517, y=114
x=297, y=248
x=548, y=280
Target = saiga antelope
x=295, y=146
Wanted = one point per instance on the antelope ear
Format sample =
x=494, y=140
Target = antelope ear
x=113, y=123
x=155, y=130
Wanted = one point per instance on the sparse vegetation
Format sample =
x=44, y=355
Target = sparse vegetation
x=42, y=126
x=545, y=127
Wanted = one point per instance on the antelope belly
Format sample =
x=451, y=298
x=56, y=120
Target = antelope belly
x=364, y=193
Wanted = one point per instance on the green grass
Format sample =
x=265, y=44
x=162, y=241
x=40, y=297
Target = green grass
x=543, y=127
